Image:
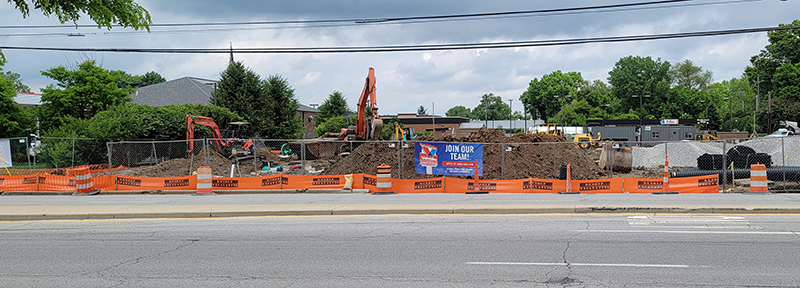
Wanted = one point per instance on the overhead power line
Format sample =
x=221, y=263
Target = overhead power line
x=373, y=20
x=409, y=48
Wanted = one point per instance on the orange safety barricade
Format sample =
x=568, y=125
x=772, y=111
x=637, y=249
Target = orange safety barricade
x=249, y=183
x=427, y=185
x=56, y=183
x=697, y=184
x=608, y=185
x=547, y=185
x=105, y=183
x=18, y=183
x=457, y=185
x=314, y=182
x=133, y=183
x=758, y=178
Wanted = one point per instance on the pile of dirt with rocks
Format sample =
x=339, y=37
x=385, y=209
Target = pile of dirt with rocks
x=542, y=160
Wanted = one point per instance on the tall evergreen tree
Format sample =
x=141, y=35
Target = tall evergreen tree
x=281, y=109
x=239, y=89
x=335, y=105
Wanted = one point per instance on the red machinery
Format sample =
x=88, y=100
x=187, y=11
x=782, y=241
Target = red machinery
x=362, y=131
x=228, y=147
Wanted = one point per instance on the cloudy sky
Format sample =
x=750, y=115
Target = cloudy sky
x=405, y=80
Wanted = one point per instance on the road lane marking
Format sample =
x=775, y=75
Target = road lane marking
x=692, y=232
x=580, y=264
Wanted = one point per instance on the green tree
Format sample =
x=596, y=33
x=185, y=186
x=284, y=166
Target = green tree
x=80, y=93
x=16, y=79
x=421, y=111
x=240, y=90
x=635, y=75
x=787, y=82
x=281, y=109
x=491, y=108
x=545, y=97
x=13, y=119
x=458, y=111
x=335, y=105
x=686, y=74
x=333, y=124
x=105, y=13
x=151, y=78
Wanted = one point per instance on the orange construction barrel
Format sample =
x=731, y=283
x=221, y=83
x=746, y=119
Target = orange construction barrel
x=84, y=182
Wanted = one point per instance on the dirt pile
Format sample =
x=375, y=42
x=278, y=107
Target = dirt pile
x=522, y=161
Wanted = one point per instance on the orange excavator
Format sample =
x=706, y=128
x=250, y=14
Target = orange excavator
x=362, y=131
x=231, y=145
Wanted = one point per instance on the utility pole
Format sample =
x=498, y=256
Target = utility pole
x=641, y=110
x=511, y=114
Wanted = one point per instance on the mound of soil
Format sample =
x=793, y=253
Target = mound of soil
x=521, y=162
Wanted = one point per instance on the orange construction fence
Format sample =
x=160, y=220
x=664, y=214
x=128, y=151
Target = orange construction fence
x=47, y=182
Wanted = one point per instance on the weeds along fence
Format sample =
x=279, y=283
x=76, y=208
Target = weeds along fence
x=53, y=155
x=730, y=161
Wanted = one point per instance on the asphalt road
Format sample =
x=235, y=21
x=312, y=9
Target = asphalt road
x=410, y=250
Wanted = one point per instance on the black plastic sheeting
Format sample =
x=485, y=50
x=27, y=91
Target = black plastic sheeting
x=777, y=173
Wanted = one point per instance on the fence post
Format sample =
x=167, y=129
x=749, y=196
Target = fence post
x=206, y=152
x=303, y=155
x=73, y=152
x=155, y=158
x=725, y=164
x=555, y=165
x=108, y=148
x=502, y=161
x=400, y=159
x=783, y=161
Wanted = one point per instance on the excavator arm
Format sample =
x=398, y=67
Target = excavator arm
x=368, y=94
x=204, y=121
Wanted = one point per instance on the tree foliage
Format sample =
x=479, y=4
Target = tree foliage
x=491, y=108
x=636, y=75
x=16, y=81
x=335, y=105
x=281, y=109
x=13, y=119
x=421, y=111
x=686, y=74
x=545, y=97
x=240, y=90
x=80, y=93
x=458, y=111
x=151, y=78
x=105, y=13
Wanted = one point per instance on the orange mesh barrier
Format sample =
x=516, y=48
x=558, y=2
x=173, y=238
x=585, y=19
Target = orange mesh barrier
x=457, y=185
x=429, y=185
x=698, y=184
x=18, y=183
x=547, y=185
x=609, y=185
x=249, y=183
x=105, y=183
x=313, y=182
x=56, y=183
x=365, y=181
x=132, y=183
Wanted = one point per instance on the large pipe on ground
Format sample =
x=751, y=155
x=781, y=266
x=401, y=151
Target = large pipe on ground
x=775, y=173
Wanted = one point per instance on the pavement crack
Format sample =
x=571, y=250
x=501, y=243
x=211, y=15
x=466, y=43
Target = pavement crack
x=139, y=259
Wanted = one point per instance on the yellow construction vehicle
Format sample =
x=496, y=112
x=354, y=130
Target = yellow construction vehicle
x=401, y=133
x=586, y=141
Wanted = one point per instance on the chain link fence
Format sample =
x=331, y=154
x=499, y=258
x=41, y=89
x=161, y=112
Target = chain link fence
x=243, y=158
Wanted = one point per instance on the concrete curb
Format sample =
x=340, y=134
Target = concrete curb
x=28, y=213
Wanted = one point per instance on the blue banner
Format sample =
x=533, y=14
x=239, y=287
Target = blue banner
x=455, y=159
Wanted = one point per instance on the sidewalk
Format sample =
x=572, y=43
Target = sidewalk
x=18, y=208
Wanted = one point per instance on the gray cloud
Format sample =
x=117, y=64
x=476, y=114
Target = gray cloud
x=408, y=79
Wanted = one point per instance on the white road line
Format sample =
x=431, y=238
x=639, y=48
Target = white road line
x=691, y=232
x=580, y=264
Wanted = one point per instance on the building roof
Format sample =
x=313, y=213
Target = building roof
x=28, y=99
x=471, y=125
x=304, y=108
x=186, y=90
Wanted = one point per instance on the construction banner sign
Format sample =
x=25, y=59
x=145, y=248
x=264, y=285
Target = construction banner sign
x=453, y=159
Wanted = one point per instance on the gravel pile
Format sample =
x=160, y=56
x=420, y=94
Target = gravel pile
x=685, y=153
